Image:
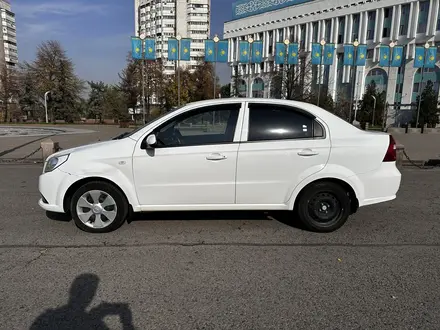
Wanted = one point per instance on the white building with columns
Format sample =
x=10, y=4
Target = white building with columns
x=371, y=22
x=163, y=19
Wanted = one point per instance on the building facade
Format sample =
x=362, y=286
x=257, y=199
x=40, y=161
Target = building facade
x=371, y=22
x=8, y=49
x=163, y=19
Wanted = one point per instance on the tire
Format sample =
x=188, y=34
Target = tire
x=324, y=207
x=104, y=205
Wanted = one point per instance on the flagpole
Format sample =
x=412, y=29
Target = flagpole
x=142, y=36
x=178, y=69
x=216, y=40
x=420, y=85
x=286, y=42
x=322, y=43
x=385, y=109
x=353, y=79
x=250, y=40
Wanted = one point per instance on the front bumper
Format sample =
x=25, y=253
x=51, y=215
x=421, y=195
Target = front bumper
x=53, y=187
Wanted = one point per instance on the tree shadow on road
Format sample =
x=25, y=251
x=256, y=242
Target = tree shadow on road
x=74, y=315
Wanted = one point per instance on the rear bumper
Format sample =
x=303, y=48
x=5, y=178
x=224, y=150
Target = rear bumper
x=381, y=185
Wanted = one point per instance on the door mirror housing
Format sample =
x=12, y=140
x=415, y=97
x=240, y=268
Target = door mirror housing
x=149, y=142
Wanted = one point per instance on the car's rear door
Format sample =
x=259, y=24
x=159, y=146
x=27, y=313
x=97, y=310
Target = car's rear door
x=281, y=146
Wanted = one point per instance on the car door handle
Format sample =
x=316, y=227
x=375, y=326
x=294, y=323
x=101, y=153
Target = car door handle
x=216, y=156
x=307, y=153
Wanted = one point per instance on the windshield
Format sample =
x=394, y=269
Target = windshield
x=128, y=134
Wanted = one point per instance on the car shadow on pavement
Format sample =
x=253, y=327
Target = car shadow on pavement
x=284, y=217
x=74, y=314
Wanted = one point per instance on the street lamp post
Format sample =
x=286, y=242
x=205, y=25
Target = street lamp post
x=353, y=78
x=216, y=40
x=285, y=71
x=142, y=36
x=322, y=43
x=374, y=108
x=385, y=109
x=178, y=69
x=45, y=105
x=420, y=86
x=250, y=40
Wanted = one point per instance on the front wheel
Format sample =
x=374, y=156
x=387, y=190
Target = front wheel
x=98, y=207
x=324, y=207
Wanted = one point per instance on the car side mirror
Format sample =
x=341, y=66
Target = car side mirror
x=149, y=142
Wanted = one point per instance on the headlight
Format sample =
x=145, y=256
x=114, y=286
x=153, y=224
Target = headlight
x=54, y=162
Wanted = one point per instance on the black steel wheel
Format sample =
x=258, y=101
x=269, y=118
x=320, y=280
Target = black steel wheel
x=324, y=206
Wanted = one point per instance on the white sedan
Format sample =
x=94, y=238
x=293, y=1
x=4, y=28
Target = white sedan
x=226, y=154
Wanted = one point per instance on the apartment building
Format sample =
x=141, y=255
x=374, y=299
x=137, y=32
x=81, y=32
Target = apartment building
x=163, y=19
x=8, y=48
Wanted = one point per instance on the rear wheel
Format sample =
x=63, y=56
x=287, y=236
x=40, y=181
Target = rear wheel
x=324, y=206
x=98, y=207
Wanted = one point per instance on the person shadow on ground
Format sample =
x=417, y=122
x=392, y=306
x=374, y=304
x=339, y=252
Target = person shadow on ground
x=74, y=315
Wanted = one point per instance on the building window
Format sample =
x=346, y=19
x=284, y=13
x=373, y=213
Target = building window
x=423, y=16
x=386, y=33
x=370, y=53
x=315, y=32
x=370, y=34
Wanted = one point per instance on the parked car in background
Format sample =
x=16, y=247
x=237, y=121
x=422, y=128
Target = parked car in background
x=227, y=154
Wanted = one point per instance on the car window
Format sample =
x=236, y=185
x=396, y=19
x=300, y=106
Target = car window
x=274, y=122
x=207, y=125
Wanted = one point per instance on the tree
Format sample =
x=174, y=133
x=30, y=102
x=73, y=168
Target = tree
x=130, y=82
x=53, y=71
x=428, y=106
x=372, y=101
x=96, y=102
x=8, y=89
x=203, y=82
x=225, y=91
x=31, y=103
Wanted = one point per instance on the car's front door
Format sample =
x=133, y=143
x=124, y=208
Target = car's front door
x=281, y=147
x=194, y=161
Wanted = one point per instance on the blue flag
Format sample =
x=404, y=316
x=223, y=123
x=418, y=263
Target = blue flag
x=150, y=49
x=361, y=56
x=209, y=51
x=316, y=54
x=257, y=51
x=431, y=57
x=384, y=53
x=243, y=48
x=397, y=59
x=293, y=54
x=173, y=46
x=280, y=55
x=419, y=58
x=185, y=49
x=222, y=51
x=136, y=48
x=348, y=54
x=329, y=54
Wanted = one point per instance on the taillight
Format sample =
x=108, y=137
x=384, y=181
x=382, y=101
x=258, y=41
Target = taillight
x=391, y=154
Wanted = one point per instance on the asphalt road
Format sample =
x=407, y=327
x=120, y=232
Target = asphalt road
x=221, y=270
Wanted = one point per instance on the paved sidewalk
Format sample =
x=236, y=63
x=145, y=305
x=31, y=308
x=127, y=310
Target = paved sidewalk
x=28, y=144
x=420, y=147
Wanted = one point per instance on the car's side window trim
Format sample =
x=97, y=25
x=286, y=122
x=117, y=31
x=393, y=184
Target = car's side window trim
x=236, y=135
x=246, y=127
